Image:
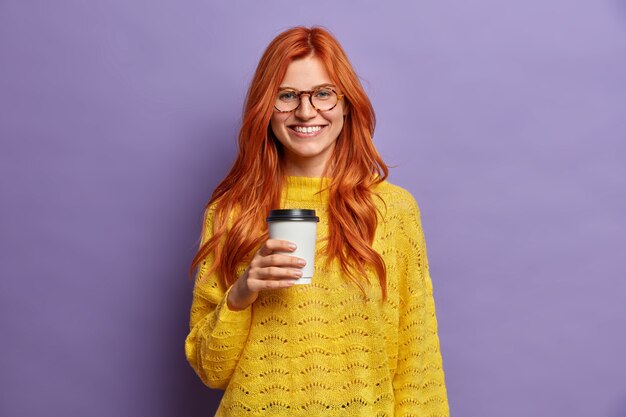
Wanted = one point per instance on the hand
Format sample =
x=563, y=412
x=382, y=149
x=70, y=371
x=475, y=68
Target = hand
x=267, y=271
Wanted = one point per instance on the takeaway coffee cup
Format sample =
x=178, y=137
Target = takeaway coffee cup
x=300, y=227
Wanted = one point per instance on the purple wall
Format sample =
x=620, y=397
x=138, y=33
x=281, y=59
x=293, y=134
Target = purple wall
x=507, y=121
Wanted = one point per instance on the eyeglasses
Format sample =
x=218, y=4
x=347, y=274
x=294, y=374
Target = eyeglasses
x=322, y=99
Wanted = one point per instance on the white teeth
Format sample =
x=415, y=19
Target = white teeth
x=307, y=129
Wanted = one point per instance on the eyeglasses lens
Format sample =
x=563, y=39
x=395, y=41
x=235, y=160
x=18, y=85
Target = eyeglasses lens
x=322, y=99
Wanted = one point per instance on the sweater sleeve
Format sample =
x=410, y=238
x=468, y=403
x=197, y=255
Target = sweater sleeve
x=419, y=384
x=217, y=334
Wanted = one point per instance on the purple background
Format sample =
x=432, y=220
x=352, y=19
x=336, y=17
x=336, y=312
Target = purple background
x=506, y=120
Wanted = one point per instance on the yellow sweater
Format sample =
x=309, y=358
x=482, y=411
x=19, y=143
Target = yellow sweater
x=325, y=349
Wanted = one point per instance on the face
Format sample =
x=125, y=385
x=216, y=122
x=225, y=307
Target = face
x=308, y=136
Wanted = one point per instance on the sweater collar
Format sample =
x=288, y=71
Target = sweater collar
x=306, y=189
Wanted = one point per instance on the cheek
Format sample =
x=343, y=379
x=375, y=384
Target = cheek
x=338, y=122
x=275, y=127
x=277, y=124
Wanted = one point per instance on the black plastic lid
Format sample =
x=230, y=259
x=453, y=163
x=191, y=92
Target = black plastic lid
x=292, y=215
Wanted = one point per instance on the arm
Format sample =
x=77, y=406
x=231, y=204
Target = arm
x=221, y=318
x=217, y=333
x=418, y=383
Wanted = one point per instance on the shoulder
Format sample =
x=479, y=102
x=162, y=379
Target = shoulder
x=216, y=214
x=209, y=214
x=211, y=221
x=396, y=201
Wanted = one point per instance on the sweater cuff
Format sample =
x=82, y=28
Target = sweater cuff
x=234, y=316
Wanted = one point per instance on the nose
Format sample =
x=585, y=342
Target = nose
x=305, y=110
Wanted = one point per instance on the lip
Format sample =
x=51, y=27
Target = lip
x=306, y=135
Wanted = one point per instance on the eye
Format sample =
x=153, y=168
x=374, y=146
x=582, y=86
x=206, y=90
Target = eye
x=324, y=94
x=287, y=96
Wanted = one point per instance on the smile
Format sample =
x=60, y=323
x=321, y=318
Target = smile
x=307, y=129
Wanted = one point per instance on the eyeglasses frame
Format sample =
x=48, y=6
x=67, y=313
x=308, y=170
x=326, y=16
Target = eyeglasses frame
x=310, y=94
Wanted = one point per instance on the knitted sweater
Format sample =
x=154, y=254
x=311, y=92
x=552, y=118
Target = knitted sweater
x=326, y=349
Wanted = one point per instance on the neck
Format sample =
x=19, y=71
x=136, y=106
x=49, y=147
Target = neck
x=312, y=169
x=302, y=166
x=306, y=167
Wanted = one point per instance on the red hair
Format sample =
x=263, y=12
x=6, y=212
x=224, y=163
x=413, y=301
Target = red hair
x=254, y=184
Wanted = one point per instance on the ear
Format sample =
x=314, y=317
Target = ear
x=346, y=108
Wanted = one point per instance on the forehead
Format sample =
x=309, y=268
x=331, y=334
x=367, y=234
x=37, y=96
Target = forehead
x=305, y=73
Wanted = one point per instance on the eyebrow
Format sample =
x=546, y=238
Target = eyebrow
x=314, y=87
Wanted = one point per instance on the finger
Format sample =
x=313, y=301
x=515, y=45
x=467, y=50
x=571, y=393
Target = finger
x=277, y=259
x=261, y=285
x=276, y=245
x=277, y=273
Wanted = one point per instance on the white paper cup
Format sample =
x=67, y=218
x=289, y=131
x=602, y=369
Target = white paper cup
x=300, y=227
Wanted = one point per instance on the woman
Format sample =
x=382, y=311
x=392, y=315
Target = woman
x=361, y=340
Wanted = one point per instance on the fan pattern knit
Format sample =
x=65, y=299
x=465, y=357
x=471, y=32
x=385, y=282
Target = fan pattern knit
x=326, y=349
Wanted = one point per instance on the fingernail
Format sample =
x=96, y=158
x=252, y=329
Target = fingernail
x=297, y=273
x=292, y=246
x=301, y=262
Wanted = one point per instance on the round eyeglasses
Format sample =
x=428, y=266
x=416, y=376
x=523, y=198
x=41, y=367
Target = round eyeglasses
x=322, y=99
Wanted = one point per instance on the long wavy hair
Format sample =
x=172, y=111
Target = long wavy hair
x=254, y=184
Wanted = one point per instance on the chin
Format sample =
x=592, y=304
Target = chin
x=310, y=150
